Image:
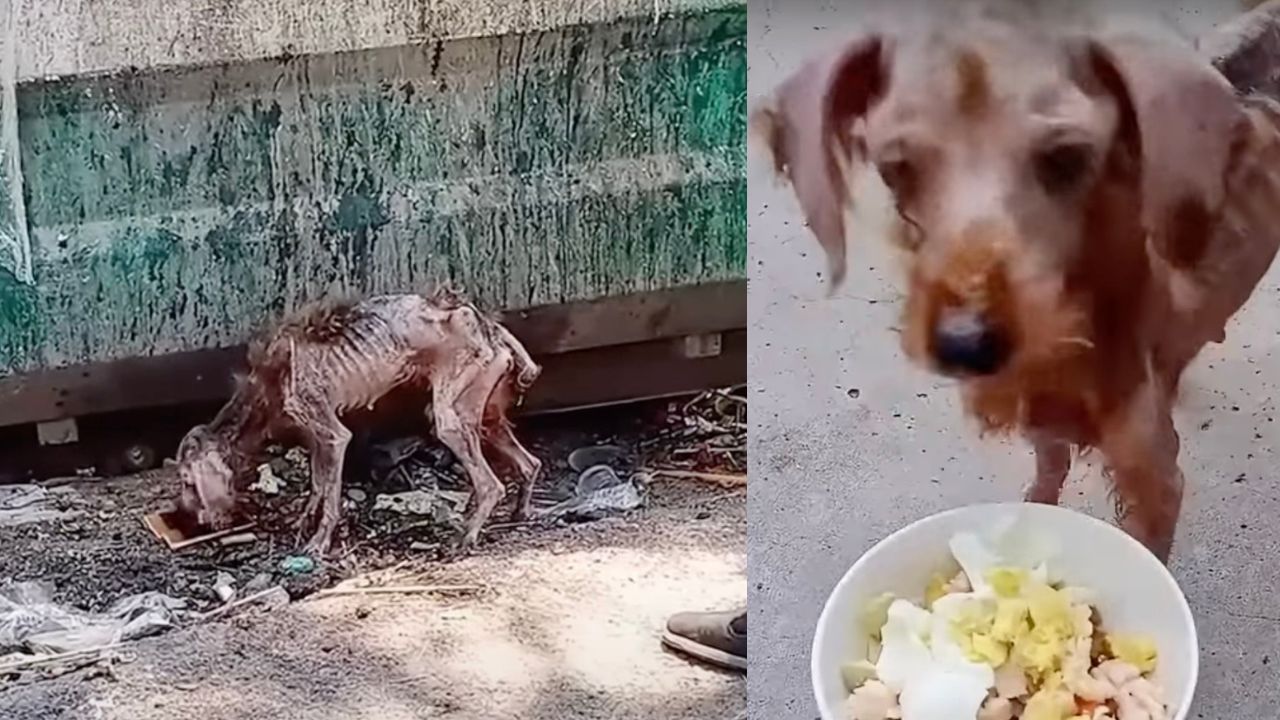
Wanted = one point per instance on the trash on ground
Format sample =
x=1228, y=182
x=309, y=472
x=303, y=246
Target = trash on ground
x=268, y=482
x=258, y=583
x=225, y=587
x=441, y=505
x=268, y=599
x=171, y=528
x=243, y=538
x=297, y=565
x=587, y=457
x=24, y=504
x=32, y=624
x=600, y=492
x=705, y=434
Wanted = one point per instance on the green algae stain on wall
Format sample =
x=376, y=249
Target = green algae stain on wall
x=177, y=210
x=20, y=322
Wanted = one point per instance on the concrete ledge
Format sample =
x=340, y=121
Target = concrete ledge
x=1246, y=49
x=77, y=37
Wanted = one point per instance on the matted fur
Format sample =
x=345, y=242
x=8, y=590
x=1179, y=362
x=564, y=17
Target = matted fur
x=1104, y=202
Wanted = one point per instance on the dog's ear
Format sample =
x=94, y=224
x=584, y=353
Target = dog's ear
x=807, y=129
x=1179, y=119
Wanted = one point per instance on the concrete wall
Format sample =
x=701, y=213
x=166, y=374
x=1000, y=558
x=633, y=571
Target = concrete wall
x=178, y=208
x=76, y=37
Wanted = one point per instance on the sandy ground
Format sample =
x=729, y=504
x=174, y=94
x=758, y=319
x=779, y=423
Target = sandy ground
x=849, y=442
x=567, y=628
x=566, y=624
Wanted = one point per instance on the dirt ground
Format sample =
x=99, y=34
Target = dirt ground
x=563, y=623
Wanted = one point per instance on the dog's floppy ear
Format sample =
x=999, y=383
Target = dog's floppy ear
x=807, y=129
x=1181, y=121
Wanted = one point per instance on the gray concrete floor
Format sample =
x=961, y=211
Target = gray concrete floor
x=849, y=442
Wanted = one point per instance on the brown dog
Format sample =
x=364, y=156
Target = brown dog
x=1081, y=214
x=332, y=361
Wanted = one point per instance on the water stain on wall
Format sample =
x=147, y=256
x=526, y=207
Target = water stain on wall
x=175, y=210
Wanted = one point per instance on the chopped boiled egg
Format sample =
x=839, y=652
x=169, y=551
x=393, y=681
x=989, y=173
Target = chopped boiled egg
x=1137, y=650
x=942, y=694
x=904, y=653
x=1002, y=638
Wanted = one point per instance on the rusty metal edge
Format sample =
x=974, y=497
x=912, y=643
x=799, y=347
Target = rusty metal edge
x=205, y=375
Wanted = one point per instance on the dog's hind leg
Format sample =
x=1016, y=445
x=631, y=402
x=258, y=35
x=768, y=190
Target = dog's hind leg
x=1053, y=463
x=459, y=409
x=502, y=439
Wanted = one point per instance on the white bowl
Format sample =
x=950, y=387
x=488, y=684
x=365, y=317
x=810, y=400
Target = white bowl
x=1135, y=592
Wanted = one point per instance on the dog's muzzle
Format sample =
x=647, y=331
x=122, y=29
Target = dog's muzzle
x=966, y=343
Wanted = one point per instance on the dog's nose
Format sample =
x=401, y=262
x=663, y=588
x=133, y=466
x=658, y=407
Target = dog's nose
x=966, y=343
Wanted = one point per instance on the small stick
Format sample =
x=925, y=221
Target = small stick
x=49, y=659
x=728, y=396
x=398, y=590
x=509, y=525
x=721, y=479
x=219, y=612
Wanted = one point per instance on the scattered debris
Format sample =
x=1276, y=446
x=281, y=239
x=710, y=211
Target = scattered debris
x=592, y=471
x=224, y=587
x=708, y=433
x=442, y=506
x=243, y=538
x=261, y=581
x=270, y=598
x=24, y=504
x=398, y=461
x=600, y=492
x=584, y=458
x=32, y=624
x=268, y=482
x=72, y=660
x=297, y=565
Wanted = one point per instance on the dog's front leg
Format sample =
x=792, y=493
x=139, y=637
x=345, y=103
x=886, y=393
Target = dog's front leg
x=1053, y=462
x=1141, y=446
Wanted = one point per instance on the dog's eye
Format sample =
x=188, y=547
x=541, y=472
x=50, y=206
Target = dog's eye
x=900, y=176
x=1062, y=168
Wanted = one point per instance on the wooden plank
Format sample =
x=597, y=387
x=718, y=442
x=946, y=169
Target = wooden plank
x=626, y=373
x=631, y=318
x=574, y=380
x=206, y=375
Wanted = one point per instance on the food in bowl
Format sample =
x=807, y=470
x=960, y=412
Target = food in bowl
x=1000, y=639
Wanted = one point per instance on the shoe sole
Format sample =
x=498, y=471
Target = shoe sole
x=705, y=653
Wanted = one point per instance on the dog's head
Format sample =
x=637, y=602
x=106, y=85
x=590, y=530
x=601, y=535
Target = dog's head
x=1028, y=168
x=206, y=479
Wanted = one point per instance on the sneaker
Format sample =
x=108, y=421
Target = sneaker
x=718, y=639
